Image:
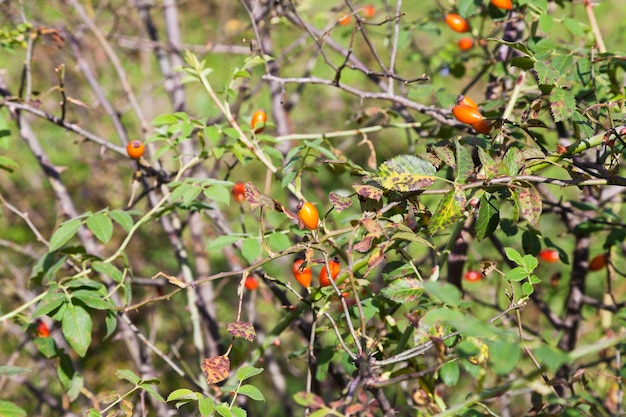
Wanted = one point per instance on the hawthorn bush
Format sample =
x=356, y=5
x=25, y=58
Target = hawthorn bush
x=142, y=285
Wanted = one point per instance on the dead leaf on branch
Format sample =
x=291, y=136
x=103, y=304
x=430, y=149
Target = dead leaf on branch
x=242, y=329
x=216, y=369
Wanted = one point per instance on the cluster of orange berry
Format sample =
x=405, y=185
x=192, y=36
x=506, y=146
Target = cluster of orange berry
x=459, y=24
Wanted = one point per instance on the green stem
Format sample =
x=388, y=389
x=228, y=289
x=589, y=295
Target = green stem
x=23, y=307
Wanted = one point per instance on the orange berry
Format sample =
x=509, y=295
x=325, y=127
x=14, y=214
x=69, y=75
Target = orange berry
x=465, y=44
x=308, y=215
x=335, y=267
x=457, y=23
x=369, y=11
x=251, y=283
x=465, y=100
x=42, y=328
x=549, y=255
x=135, y=149
x=259, y=117
x=503, y=4
x=239, y=192
x=467, y=114
x=303, y=275
x=484, y=126
x=345, y=20
x=597, y=262
x=473, y=276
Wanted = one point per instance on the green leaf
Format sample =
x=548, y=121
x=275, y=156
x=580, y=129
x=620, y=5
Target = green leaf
x=251, y=249
x=9, y=409
x=515, y=45
x=488, y=217
x=49, y=303
x=110, y=322
x=101, y=226
x=128, y=375
x=562, y=104
x=527, y=289
x=75, y=386
x=222, y=241
x=514, y=256
x=574, y=27
x=551, y=358
x=546, y=22
x=467, y=8
x=449, y=210
x=93, y=413
x=183, y=394
x=450, y=373
x=524, y=63
x=7, y=370
x=252, y=392
x=206, y=406
x=7, y=164
x=248, y=371
x=405, y=173
x=218, y=193
x=504, y=356
x=223, y=410
x=238, y=411
x=546, y=74
x=278, y=242
x=403, y=290
x=64, y=233
x=443, y=292
x=108, y=270
x=122, y=218
x=164, y=119
x=93, y=299
x=464, y=164
x=516, y=274
x=151, y=389
x=513, y=161
x=77, y=328
x=528, y=201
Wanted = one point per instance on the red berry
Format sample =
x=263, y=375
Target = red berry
x=135, y=149
x=335, y=267
x=251, y=283
x=257, y=123
x=465, y=44
x=457, y=23
x=239, y=192
x=484, y=126
x=467, y=114
x=503, y=4
x=597, y=262
x=308, y=215
x=42, y=328
x=549, y=255
x=465, y=100
x=369, y=11
x=303, y=275
x=473, y=276
x=345, y=20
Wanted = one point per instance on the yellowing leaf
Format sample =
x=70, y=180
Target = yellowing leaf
x=405, y=173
